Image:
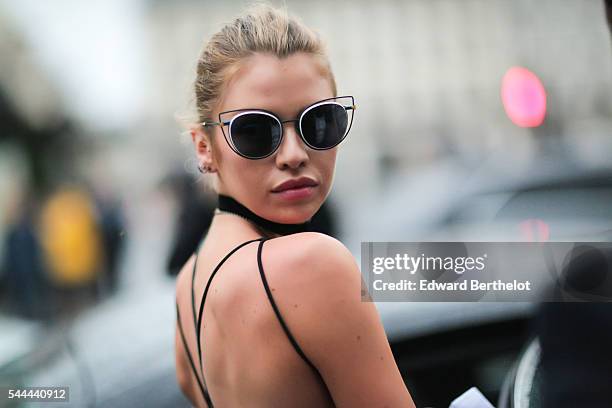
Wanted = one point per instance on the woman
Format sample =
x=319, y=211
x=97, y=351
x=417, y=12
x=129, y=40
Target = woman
x=283, y=323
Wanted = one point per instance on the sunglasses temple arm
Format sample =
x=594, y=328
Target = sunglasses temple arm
x=214, y=123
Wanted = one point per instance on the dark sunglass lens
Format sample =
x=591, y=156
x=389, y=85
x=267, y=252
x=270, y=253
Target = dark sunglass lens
x=324, y=126
x=255, y=134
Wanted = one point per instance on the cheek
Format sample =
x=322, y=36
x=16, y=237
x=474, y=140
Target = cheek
x=244, y=174
x=329, y=160
x=326, y=164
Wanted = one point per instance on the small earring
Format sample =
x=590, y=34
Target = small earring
x=205, y=169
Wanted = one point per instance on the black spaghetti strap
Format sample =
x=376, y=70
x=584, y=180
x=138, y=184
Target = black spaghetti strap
x=193, y=271
x=195, y=264
x=193, y=368
x=212, y=275
x=278, y=315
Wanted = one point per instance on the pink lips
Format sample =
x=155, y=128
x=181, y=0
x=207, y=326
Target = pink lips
x=296, y=188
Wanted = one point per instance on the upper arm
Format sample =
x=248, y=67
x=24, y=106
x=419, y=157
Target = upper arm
x=341, y=334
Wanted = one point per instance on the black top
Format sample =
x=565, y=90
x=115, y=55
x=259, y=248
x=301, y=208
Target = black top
x=198, y=321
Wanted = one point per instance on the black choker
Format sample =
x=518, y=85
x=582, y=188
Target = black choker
x=229, y=204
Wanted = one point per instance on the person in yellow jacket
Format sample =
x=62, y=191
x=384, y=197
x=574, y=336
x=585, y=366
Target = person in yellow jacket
x=71, y=238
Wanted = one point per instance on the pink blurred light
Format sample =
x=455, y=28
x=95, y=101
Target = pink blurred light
x=524, y=97
x=534, y=230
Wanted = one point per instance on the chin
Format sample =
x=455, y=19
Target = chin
x=297, y=214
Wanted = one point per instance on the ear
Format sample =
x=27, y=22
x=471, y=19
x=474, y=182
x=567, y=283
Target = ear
x=203, y=147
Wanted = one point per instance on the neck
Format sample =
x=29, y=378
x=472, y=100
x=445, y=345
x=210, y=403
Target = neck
x=231, y=205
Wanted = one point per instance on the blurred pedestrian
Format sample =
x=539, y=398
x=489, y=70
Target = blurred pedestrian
x=25, y=279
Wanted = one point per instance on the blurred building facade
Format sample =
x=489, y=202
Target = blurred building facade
x=426, y=76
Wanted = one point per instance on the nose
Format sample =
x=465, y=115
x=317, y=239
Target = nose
x=292, y=151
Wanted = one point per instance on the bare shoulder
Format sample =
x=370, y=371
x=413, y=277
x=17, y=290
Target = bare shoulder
x=312, y=268
x=318, y=280
x=319, y=292
x=313, y=255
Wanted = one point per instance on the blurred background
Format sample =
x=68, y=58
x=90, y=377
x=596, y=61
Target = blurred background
x=478, y=120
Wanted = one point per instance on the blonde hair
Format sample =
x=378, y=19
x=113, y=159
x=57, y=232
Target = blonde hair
x=262, y=29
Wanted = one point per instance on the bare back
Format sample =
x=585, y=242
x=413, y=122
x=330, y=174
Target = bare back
x=247, y=357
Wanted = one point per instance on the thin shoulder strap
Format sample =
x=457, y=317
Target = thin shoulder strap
x=193, y=368
x=202, y=381
x=201, y=311
x=278, y=314
x=193, y=272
